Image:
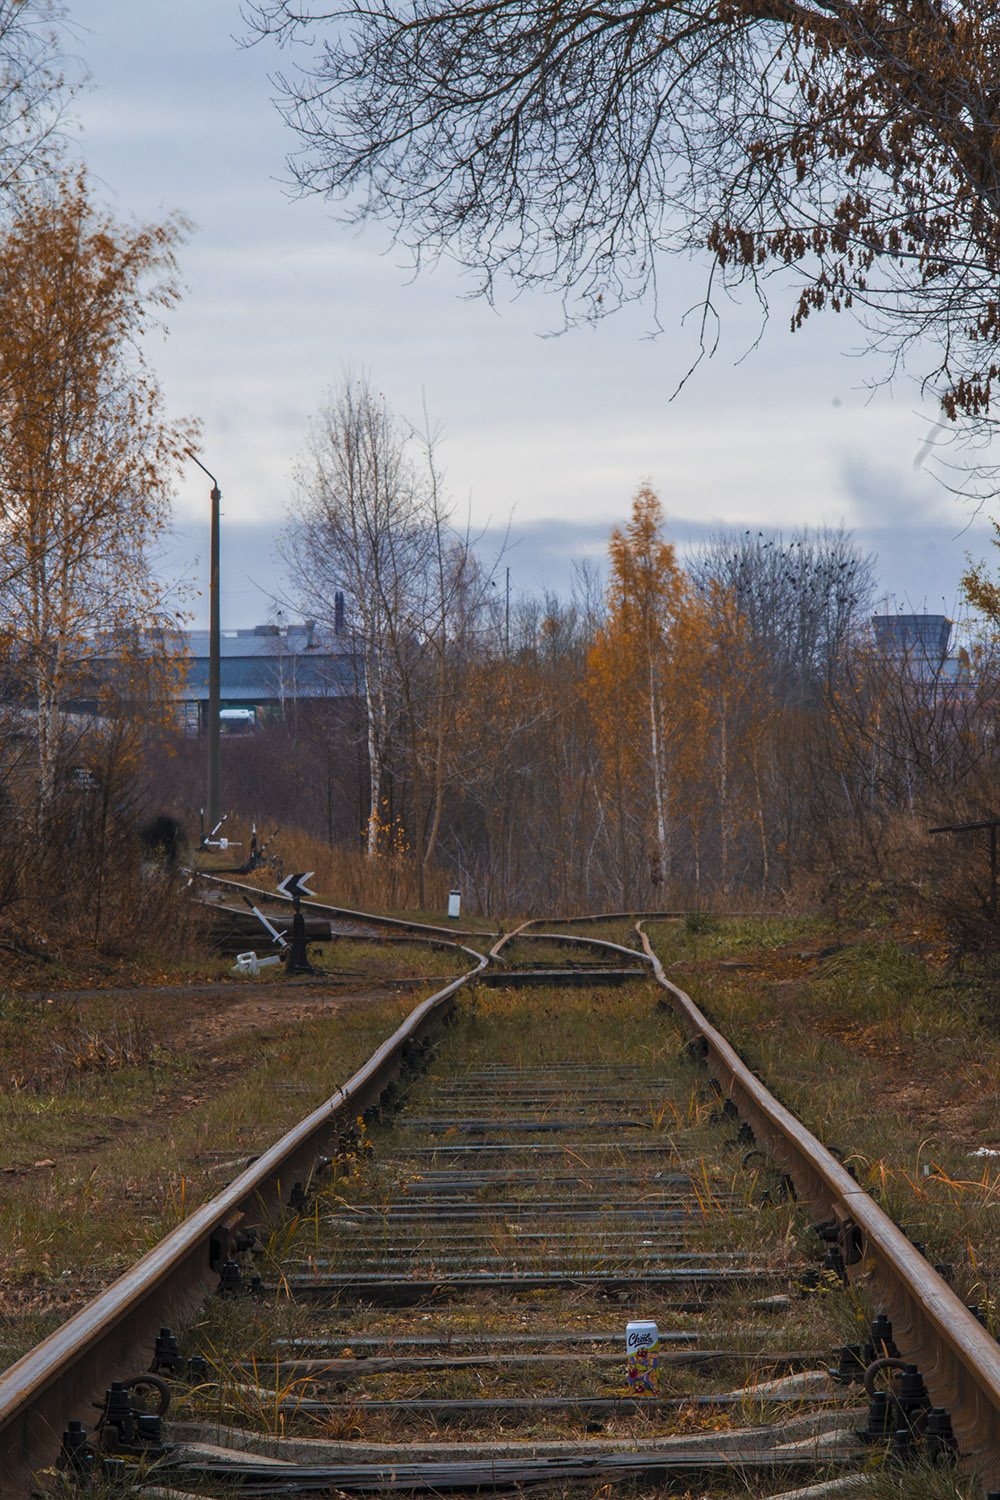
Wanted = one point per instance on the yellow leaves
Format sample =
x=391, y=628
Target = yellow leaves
x=646, y=588
x=682, y=709
x=86, y=459
x=983, y=593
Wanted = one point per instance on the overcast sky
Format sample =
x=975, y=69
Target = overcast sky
x=550, y=433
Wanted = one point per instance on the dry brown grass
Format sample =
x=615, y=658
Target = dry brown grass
x=343, y=876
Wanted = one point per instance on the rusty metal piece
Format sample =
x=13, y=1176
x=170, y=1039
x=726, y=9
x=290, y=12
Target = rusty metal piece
x=877, y=1367
x=396, y=924
x=933, y=1328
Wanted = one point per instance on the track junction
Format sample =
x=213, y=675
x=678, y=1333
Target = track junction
x=555, y=1142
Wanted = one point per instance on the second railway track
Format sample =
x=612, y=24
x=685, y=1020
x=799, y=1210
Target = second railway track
x=445, y=1308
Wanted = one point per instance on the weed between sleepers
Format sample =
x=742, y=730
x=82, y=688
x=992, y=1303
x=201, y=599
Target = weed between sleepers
x=554, y=1030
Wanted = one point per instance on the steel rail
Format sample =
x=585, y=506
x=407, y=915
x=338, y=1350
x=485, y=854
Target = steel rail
x=420, y=929
x=959, y=1361
x=517, y=934
x=60, y=1377
x=635, y=915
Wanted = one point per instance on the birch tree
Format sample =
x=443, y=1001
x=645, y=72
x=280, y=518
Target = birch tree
x=371, y=520
x=33, y=91
x=87, y=458
x=637, y=678
x=354, y=531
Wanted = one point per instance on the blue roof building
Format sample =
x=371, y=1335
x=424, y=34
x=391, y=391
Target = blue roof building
x=923, y=637
x=266, y=669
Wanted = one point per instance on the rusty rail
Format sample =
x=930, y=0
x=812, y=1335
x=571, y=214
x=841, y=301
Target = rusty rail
x=397, y=924
x=602, y=945
x=959, y=1361
x=62, y=1375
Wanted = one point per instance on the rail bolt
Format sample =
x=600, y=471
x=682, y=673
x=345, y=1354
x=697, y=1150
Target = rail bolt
x=911, y=1395
x=902, y=1449
x=166, y=1354
x=939, y=1438
x=880, y=1337
x=230, y=1280
x=850, y=1364
x=118, y=1413
x=147, y=1427
x=882, y=1418
x=77, y=1455
x=833, y=1261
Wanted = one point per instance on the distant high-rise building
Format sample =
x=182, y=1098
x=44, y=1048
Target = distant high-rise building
x=921, y=637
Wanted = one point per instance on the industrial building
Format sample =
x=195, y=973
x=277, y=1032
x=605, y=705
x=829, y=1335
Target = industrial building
x=263, y=671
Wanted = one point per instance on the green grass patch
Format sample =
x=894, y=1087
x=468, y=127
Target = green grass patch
x=895, y=1067
x=111, y=1162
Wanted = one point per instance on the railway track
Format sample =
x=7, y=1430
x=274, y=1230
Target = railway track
x=474, y=1218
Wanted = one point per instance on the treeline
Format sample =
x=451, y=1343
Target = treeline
x=716, y=735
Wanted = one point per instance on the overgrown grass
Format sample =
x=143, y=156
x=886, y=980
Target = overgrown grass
x=701, y=937
x=390, y=960
x=896, y=1067
x=106, y=1173
x=731, y=1209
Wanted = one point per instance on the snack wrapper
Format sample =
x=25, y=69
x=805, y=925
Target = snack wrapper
x=642, y=1350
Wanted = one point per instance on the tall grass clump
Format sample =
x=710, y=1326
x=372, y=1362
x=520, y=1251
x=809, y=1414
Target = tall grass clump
x=345, y=875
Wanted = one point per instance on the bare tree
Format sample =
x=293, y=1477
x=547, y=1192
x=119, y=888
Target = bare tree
x=355, y=531
x=32, y=91
x=804, y=599
x=854, y=140
x=372, y=522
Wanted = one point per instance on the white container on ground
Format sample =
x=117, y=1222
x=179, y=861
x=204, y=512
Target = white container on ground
x=642, y=1354
x=454, y=904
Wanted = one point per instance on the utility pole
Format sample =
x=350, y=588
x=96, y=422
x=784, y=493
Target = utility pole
x=214, y=653
x=506, y=621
